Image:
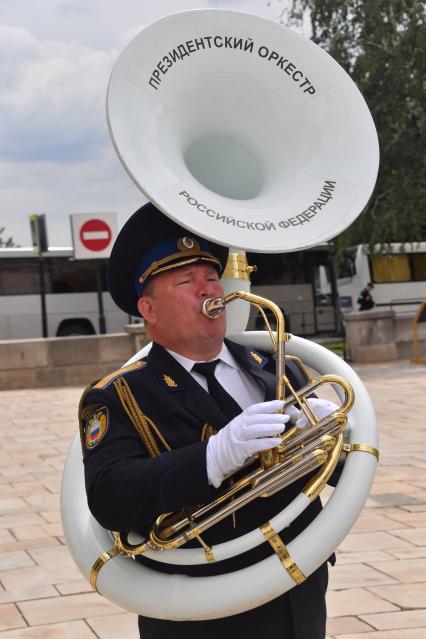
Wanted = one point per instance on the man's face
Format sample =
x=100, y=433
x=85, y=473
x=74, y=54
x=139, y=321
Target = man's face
x=173, y=311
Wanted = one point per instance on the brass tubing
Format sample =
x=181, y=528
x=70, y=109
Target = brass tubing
x=289, y=470
x=212, y=308
x=332, y=426
x=316, y=484
x=310, y=465
x=284, y=476
x=315, y=454
x=205, y=508
x=268, y=326
x=320, y=381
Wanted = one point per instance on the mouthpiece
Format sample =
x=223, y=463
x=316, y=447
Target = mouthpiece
x=213, y=307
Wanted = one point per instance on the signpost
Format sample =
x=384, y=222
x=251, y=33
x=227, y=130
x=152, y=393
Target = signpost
x=40, y=246
x=93, y=236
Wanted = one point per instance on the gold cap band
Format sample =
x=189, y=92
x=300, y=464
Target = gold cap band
x=164, y=265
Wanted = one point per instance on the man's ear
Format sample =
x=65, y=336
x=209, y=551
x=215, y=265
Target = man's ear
x=145, y=308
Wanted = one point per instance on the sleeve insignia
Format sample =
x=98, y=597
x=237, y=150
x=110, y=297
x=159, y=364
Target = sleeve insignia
x=96, y=426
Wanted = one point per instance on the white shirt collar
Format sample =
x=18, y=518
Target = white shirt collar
x=224, y=356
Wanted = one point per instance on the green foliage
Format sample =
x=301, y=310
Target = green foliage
x=382, y=45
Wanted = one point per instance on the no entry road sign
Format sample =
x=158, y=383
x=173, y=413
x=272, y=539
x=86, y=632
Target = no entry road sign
x=93, y=234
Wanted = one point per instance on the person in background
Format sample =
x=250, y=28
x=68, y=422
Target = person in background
x=365, y=299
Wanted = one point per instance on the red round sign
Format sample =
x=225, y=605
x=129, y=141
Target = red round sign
x=95, y=235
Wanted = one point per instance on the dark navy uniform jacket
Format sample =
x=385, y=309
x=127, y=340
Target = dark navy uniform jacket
x=129, y=489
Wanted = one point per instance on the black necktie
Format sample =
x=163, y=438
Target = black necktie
x=223, y=399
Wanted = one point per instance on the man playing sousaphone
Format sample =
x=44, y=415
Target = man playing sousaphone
x=203, y=406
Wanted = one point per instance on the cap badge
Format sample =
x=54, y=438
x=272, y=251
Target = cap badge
x=188, y=244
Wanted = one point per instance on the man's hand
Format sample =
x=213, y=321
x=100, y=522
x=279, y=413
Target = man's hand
x=254, y=430
x=322, y=408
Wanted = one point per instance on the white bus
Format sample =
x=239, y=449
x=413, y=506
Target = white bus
x=301, y=283
x=71, y=295
x=399, y=277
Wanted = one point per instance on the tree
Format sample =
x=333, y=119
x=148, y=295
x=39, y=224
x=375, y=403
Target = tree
x=382, y=45
x=8, y=243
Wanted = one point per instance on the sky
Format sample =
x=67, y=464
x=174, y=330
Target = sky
x=56, y=156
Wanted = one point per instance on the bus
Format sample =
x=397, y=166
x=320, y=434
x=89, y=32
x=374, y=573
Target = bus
x=71, y=297
x=303, y=284
x=398, y=276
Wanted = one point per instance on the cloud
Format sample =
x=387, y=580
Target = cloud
x=52, y=99
x=55, y=60
x=59, y=189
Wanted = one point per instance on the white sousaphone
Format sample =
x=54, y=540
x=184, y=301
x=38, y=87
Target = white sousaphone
x=252, y=136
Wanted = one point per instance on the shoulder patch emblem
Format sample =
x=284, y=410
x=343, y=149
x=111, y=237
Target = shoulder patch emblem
x=96, y=426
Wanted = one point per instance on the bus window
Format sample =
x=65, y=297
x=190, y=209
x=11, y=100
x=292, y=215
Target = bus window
x=19, y=277
x=398, y=276
x=390, y=268
x=300, y=284
x=61, y=275
x=70, y=287
x=279, y=269
x=322, y=283
x=71, y=276
x=347, y=263
x=419, y=266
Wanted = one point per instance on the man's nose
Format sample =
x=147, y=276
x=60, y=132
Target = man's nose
x=207, y=288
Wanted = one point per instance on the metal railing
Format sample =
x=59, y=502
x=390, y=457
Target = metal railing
x=401, y=302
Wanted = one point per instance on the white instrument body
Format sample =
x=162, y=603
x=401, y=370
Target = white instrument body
x=139, y=589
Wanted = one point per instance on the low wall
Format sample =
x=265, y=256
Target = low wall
x=371, y=336
x=65, y=361
x=381, y=336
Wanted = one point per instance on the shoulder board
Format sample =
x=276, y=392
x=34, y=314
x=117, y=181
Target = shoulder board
x=105, y=381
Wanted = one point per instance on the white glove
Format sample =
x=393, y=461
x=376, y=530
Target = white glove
x=255, y=429
x=323, y=408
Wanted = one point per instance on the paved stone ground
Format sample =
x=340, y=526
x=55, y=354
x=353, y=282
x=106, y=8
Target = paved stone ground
x=377, y=589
